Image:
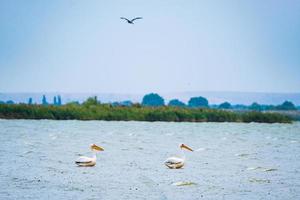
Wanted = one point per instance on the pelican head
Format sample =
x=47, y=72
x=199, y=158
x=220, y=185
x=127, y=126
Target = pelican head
x=183, y=146
x=94, y=147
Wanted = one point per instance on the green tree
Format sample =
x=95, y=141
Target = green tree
x=44, y=100
x=198, y=102
x=176, y=102
x=59, y=100
x=255, y=106
x=225, y=105
x=91, y=101
x=10, y=102
x=126, y=103
x=30, y=101
x=287, y=105
x=54, y=100
x=73, y=103
x=153, y=99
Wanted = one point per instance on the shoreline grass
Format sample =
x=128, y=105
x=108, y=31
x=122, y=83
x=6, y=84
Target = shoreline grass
x=136, y=112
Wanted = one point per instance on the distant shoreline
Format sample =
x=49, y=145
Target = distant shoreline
x=107, y=112
x=214, y=97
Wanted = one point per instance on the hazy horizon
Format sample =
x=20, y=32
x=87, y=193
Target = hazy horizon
x=246, y=98
x=166, y=92
x=84, y=47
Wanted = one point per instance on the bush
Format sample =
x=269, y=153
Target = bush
x=93, y=110
x=197, y=102
x=225, y=105
x=176, y=102
x=153, y=100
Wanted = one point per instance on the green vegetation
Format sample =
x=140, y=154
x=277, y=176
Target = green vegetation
x=44, y=100
x=92, y=109
x=225, y=105
x=255, y=106
x=198, y=102
x=152, y=109
x=287, y=105
x=176, y=102
x=265, y=117
x=30, y=101
x=153, y=99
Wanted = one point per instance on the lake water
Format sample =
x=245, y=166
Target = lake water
x=232, y=161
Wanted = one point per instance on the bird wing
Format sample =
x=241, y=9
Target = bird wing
x=136, y=18
x=125, y=19
x=84, y=159
x=174, y=160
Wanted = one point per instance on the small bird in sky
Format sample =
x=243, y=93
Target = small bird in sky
x=132, y=20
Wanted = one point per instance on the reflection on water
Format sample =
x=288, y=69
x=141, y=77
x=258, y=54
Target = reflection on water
x=231, y=161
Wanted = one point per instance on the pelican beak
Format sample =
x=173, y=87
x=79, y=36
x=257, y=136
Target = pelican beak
x=97, y=148
x=186, y=147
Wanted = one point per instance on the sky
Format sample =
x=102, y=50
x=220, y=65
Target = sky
x=84, y=46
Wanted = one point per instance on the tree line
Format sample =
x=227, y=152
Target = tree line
x=93, y=109
x=154, y=99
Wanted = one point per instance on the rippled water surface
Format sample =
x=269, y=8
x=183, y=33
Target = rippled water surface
x=233, y=160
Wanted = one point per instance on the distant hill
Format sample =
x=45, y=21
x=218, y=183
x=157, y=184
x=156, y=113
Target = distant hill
x=214, y=97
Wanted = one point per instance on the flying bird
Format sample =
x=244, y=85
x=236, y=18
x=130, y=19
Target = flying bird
x=84, y=161
x=132, y=20
x=177, y=162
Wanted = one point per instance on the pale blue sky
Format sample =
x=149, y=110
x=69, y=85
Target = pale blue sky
x=191, y=45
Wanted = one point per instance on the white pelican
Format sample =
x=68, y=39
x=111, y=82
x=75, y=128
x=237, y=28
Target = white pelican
x=177, y=162
x=84, y=161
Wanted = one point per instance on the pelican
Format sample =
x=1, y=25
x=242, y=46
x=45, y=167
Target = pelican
x=84, y=161
x=177, y=162
x=130, y=21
